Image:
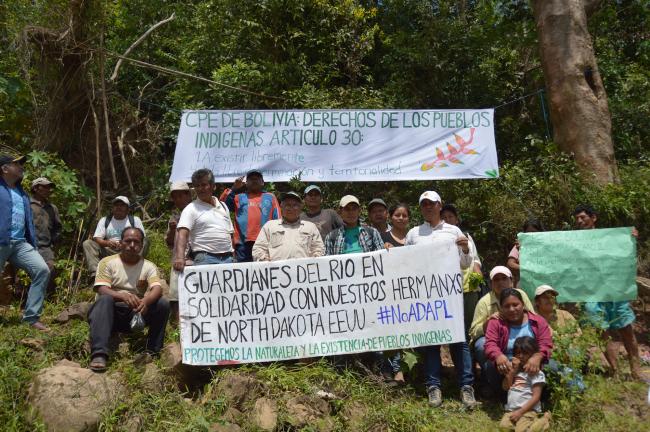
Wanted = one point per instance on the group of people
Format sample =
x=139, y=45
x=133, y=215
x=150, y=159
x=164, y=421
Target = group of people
x=509, y=337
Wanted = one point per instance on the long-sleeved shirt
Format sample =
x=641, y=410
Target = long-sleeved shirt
x=252, y=211
x=369, y=241
x=487, y=306
x=496, y=336
x=425, y=233
x=46, y=222
x=6, y=204
x=280, y=240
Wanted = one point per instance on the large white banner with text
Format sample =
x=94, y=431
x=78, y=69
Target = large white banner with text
x=338, y=145
x=312, y=307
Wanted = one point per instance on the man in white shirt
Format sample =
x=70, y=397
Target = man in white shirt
x=106, y=239
x=205, y=223
x=431, y=230
x=288, y=237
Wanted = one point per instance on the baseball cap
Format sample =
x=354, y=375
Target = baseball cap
x=500, y=270
x=545, y=288
x=42, y=181
x=376, y=201
x=311, y=188
x=6, y=159
x=431, y=196
x=290, y=194
x=348, y=199
x=254, y=171
x=179, y=186
x=121, y=198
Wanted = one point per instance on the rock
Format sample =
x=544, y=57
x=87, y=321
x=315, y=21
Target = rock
x=237, y=389
x=69, y=363
x=70, y=398
x=76, y=311
x=186, y=376
x=643, y=285
x=153, y=380
x=232, y=415
x=265, y=414
x=225, y=427
x=33, y=343
x=303, y=410
x=134, y=424
x=354, y=414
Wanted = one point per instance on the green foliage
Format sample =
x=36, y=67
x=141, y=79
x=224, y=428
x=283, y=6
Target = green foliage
x=70, y=195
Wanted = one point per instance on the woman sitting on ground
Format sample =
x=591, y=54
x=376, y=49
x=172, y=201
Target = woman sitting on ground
x=502, y=331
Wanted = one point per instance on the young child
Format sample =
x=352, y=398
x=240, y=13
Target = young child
x=524, y=392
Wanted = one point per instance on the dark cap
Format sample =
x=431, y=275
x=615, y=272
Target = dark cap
x=7, y=159
x=254, y=171
x=291, y=194
x=377, y=201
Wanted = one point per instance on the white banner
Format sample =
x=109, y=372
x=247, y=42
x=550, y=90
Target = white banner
x=260, y=312
x=338, y=145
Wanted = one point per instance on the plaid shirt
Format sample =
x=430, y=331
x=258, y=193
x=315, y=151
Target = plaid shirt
x=369, y=240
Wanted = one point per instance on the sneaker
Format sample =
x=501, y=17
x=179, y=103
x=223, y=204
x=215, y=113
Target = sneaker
x=435, y=396
x=467, y=397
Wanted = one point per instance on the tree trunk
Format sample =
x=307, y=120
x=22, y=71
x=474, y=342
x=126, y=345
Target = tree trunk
x=578, y=102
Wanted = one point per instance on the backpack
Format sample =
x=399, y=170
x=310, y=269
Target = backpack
x=109, y=218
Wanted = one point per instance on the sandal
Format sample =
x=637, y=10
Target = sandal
x=98, y=363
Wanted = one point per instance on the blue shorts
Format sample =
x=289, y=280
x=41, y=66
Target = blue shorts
x=609, y=315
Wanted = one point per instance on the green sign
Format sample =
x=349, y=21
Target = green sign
x=583, y=266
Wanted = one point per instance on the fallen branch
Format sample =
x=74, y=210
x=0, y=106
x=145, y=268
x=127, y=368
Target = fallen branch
x=138, y=42
x=187, y=75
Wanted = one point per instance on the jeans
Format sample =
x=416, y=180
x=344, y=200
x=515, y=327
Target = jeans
x=573, y=379
x=202, y=258
x=462, y=363
x=244, y=252
x=24, y=256
x=393, y=361
x=489, y=374
x=106, y=316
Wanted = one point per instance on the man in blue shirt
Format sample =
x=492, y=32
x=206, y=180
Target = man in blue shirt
x=18, y=237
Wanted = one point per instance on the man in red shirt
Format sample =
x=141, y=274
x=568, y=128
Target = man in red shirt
x=253, y=208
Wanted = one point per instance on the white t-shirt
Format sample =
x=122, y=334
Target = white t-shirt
x=115, y=227
x=522, y=390
x=210, y=226
x=426, y=234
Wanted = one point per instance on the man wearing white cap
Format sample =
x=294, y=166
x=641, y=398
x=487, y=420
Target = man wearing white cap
x=46, y=219
x=326, y=220
x=546, y=306
x=488, y=306
x=106, y=239
x=352, y=238
x=432, y=229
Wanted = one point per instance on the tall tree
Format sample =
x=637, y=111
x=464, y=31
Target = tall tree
x=578, y=101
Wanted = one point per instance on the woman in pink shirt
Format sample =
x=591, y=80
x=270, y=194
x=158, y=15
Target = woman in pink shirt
x=513, y=322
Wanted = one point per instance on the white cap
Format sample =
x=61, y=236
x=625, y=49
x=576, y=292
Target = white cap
x=431, y=196
x=179, y=186
x=122, y=198
x=545, y=288
x=348, y=199
x=500, y=270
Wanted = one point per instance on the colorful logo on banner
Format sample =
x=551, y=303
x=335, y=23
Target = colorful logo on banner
x=454, y=155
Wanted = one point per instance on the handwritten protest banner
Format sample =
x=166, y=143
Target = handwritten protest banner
x=338, y=145
x=583, y=266
x=260, y=312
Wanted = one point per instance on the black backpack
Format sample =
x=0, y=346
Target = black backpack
x=109, y=218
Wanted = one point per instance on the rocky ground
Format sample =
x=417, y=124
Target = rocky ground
x=45, y=385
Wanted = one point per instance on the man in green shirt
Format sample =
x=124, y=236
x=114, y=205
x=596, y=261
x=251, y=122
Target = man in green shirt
x=352, y=238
